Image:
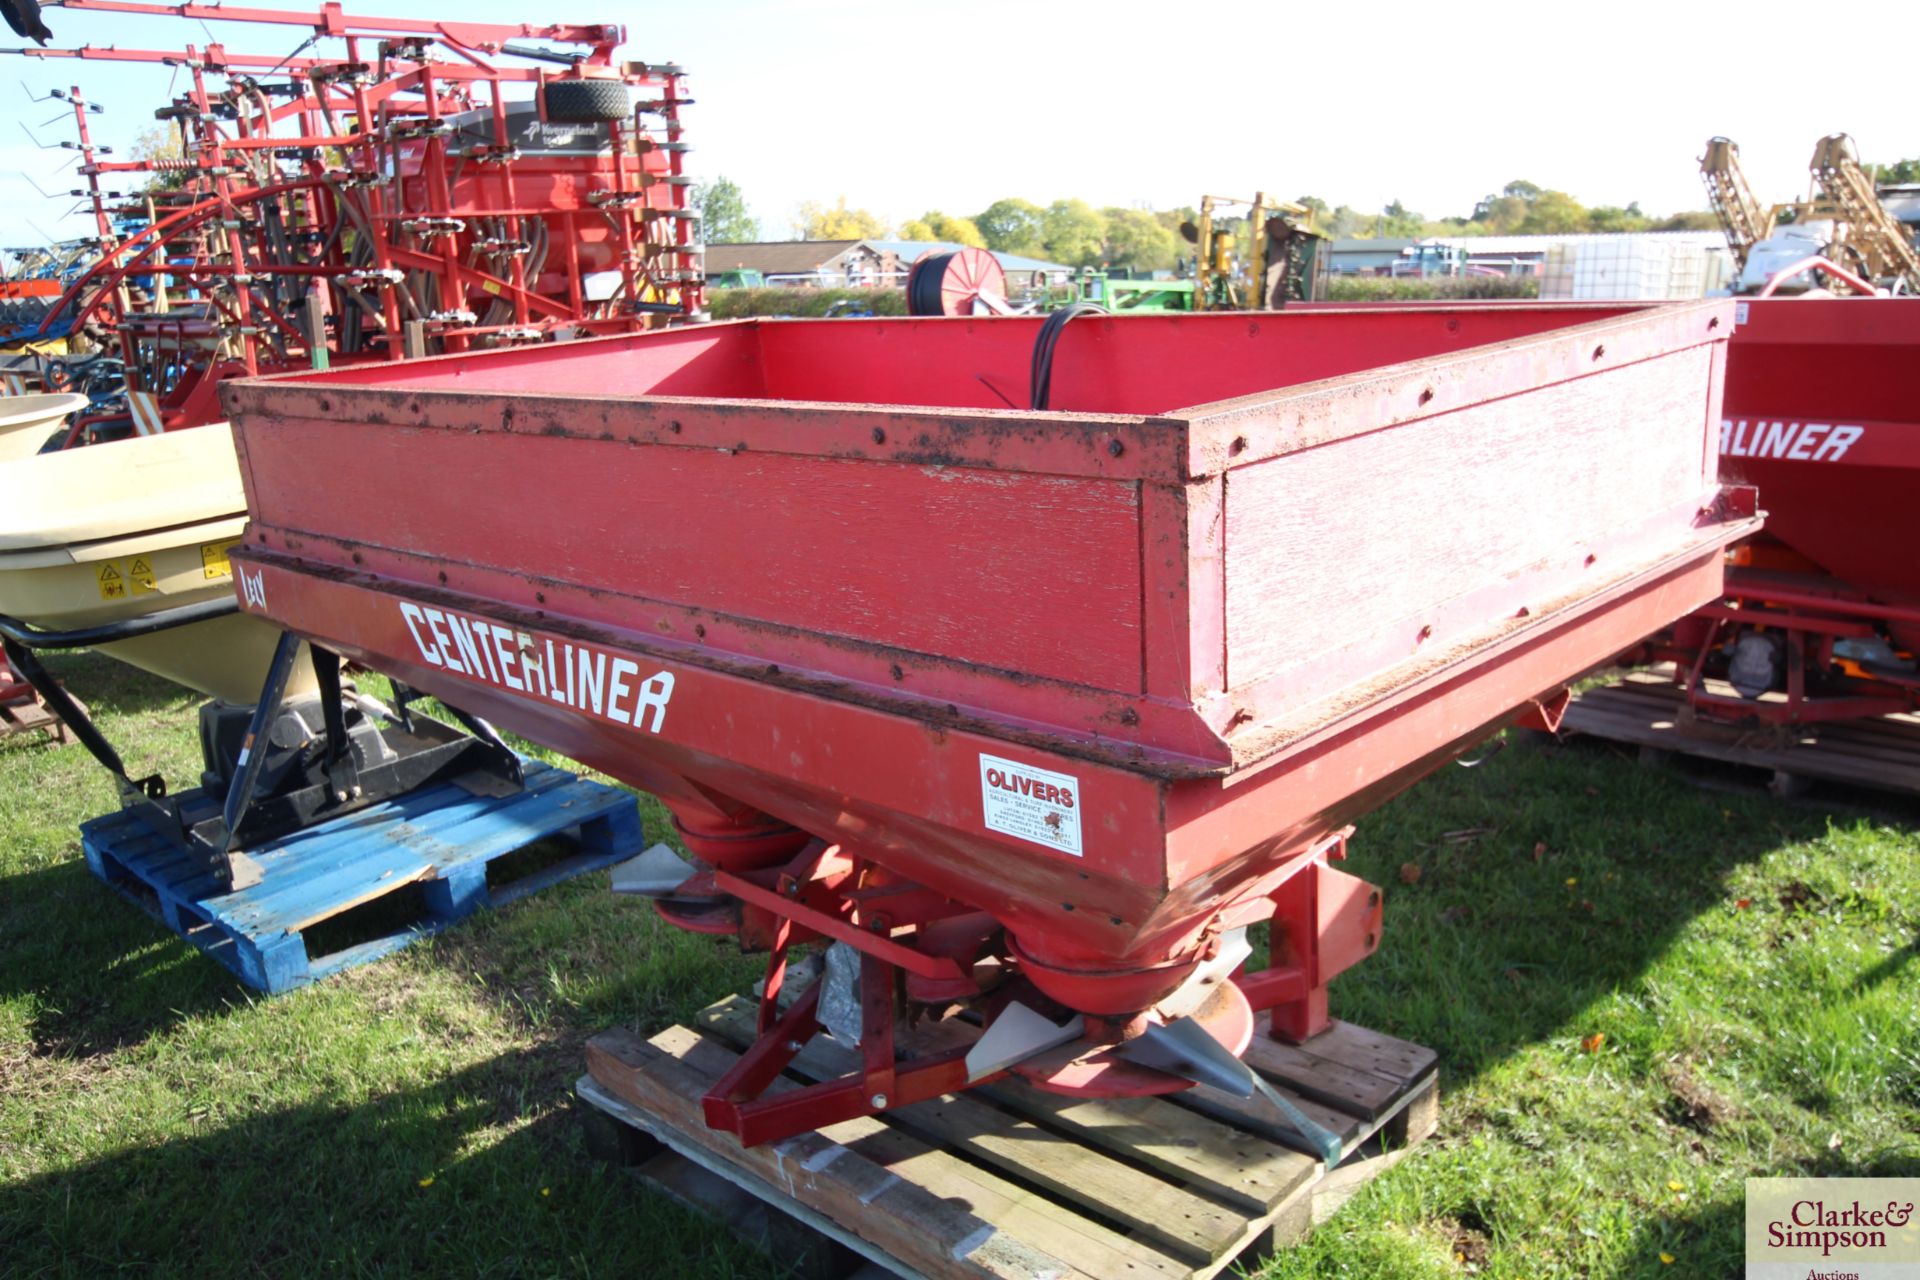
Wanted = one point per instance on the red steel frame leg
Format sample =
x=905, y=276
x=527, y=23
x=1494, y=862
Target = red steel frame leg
x=1323, y=921
x=1295, y=943
x=736, y=1103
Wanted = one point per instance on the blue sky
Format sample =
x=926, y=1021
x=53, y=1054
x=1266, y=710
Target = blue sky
x=911, y=105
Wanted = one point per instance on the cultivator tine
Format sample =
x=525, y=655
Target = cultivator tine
x=1187, y=1049
x=1016, y=1035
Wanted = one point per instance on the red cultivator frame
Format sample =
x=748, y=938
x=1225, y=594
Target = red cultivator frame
x=417, y=192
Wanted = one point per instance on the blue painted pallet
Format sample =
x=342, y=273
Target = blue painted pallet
x=441, y=838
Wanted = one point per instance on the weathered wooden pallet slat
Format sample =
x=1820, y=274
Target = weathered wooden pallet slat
x=1045, y=1186
x=1645, y=709
x=30, y=715
x=1180, y=1219
x=1215, y=1158
x=441, y=837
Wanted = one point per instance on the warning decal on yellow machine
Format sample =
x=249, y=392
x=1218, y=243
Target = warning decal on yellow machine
x=213, y=558
x=140, y=576
x=113, y=584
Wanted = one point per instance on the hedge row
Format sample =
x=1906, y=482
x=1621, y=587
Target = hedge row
x=1408, y=289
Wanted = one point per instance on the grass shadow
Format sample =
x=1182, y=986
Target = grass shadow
x=94, y=971
x=400, y=1182
x=108, y=686
x=1521, y=892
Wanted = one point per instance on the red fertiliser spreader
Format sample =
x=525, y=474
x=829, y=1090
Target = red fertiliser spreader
x=1821, y=620
x=1026, y=714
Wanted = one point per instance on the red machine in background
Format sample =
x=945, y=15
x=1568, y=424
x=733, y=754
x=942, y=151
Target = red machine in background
x=420, y=189
x=1029, y=714
x=1821, y=619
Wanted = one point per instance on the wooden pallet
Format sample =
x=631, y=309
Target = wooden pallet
x=1012, y=1182
x=1646, y=709
x=30, y=715
x=442, y=838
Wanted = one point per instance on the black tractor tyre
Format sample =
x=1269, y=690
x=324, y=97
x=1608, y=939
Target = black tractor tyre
x=585, y=101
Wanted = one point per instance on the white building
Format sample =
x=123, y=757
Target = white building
x=1641, y=265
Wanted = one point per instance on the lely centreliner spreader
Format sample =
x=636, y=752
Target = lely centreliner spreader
x=1029, y=714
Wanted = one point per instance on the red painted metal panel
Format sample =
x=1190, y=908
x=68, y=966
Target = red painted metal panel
x=1485, y=493
x=1823, y=416
x=1197, y=360
x=912, y=557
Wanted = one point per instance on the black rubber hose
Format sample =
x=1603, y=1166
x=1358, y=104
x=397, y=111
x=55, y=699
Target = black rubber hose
x=1041, y=371
x=113, y=632
x=925, y=283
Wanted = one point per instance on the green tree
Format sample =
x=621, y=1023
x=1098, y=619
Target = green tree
x=1501, y=214
x=1396, y=221
x=1137, y=240
x=837, y=222
x=1608, y=217
x=1553, y=213
x=1012, y=226
x=1345, y=222
x=1073, y=232
x=1899, y=171
x=162, y=142
x=1691, y=220
x=724, y=217
x=934, y=225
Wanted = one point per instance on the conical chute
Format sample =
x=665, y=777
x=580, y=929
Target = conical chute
x=1184, y=1048
x=1016, y=1035
x=653, y=873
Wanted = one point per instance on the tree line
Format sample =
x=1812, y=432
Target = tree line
x=1077, y=234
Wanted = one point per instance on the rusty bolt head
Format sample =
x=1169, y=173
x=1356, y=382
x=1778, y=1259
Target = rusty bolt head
x=879, y=436
x=1115, y=448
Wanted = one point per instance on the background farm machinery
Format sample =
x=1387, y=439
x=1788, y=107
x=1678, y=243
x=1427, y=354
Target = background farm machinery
x=390, y=188
x=427, y=187
x=1260, y=260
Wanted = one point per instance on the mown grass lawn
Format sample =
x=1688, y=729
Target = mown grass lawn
x=1642, y=993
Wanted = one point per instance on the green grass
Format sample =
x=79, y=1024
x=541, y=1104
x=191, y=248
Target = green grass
x=412, y=1117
